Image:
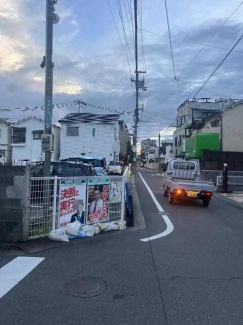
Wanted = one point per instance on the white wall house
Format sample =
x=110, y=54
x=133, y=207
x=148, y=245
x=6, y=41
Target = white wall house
x=190, y=116
x=26, y=140
x=90, y=135
x=5, y=141
x=169, y=153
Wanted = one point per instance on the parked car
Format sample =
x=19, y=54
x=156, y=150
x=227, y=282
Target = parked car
x=63, y=169
x=98, y=163
x=183, y=179
x=115, y=167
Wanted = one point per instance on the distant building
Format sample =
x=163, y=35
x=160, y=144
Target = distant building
x=5, y=141
x=152, y=155
x=164, y=157
x=26, y=140
x=90, y=135
x=190, y=116
x=145, y=144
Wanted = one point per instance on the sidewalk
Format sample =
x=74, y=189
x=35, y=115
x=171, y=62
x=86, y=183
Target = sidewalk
x=235, y=198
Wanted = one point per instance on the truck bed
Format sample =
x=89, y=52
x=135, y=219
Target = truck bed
x=194, y=185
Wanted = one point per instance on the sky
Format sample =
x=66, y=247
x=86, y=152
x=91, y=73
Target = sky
x=93, y=52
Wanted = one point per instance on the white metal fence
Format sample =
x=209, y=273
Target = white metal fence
x=47, y=206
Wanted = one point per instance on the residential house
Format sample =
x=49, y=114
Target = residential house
x=190, y=116
x=90, y=135
x=124, y=138
x=228, y=124
x=5, y=141
x=26, y=140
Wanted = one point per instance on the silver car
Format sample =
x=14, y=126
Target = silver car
x=115, y=167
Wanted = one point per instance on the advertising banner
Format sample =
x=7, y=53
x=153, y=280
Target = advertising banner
x=116, y=192
x=72, y=200
x=98, y=199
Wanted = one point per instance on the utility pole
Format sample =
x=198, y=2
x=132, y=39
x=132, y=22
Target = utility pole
x=136, y=80
x=51, y=18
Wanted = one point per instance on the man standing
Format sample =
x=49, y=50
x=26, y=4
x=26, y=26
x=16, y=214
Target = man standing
x=97, y=205
x=79, y=215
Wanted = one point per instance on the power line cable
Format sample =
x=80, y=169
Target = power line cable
x=120, y=38
x=217, y=31
x=171, y=49
x=129, y=53
x=190, y=42
x=218, y=66
x=141, y=33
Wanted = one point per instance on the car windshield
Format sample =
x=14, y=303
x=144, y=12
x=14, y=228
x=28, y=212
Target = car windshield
x=114, y=163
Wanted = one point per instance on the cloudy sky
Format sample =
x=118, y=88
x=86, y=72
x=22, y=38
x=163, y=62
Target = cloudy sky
x=93, y=59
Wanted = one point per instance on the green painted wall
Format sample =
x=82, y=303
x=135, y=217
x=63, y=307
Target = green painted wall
x=199, y=142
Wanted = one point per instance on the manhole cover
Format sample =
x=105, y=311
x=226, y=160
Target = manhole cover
x=85, y=287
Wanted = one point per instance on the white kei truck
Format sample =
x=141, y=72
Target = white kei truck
x=182, y=178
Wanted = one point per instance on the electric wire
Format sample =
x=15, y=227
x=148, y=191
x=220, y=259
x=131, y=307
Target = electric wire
x=171, y=49
x=218, y=66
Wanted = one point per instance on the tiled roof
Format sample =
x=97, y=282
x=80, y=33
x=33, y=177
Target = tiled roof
x=88, y=117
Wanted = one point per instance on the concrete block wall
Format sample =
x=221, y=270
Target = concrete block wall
x=14, y=203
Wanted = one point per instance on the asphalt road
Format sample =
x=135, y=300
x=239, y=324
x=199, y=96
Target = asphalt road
x=192, y=276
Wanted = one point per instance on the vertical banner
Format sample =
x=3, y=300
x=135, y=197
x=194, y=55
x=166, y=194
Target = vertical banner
x=72, y=200
x=116, y=191
x=98, y=199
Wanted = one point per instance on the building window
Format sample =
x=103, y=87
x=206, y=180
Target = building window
x=37, y=134
x=175, y=141
x=93, y=132
x=18, y=135
x=72, y=131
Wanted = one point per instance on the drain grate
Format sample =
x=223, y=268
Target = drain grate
x=85, y=287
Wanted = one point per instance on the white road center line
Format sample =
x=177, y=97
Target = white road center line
x=13, y=272
x=169, y=224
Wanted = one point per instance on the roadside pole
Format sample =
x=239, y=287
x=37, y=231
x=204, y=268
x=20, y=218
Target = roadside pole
x=51, y=18
x=46, y=139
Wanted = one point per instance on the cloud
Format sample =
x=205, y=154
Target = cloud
x=90, y=63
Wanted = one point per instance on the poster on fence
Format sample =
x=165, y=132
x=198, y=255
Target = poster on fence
x=98, y=198
x=72, y=201
x=116, y=192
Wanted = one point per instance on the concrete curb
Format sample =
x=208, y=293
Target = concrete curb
x=139, y=220
x=226, y=199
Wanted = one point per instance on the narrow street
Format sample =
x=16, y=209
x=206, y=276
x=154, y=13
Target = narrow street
x=191, y=276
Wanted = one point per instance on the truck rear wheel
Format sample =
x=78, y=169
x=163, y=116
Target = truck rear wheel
x=206, y=203
x=170, y=197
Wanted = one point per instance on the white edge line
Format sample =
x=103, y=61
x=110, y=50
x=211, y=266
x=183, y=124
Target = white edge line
x=152, y=195
x=169, y=224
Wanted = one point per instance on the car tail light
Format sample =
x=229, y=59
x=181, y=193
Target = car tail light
x=208, y=193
